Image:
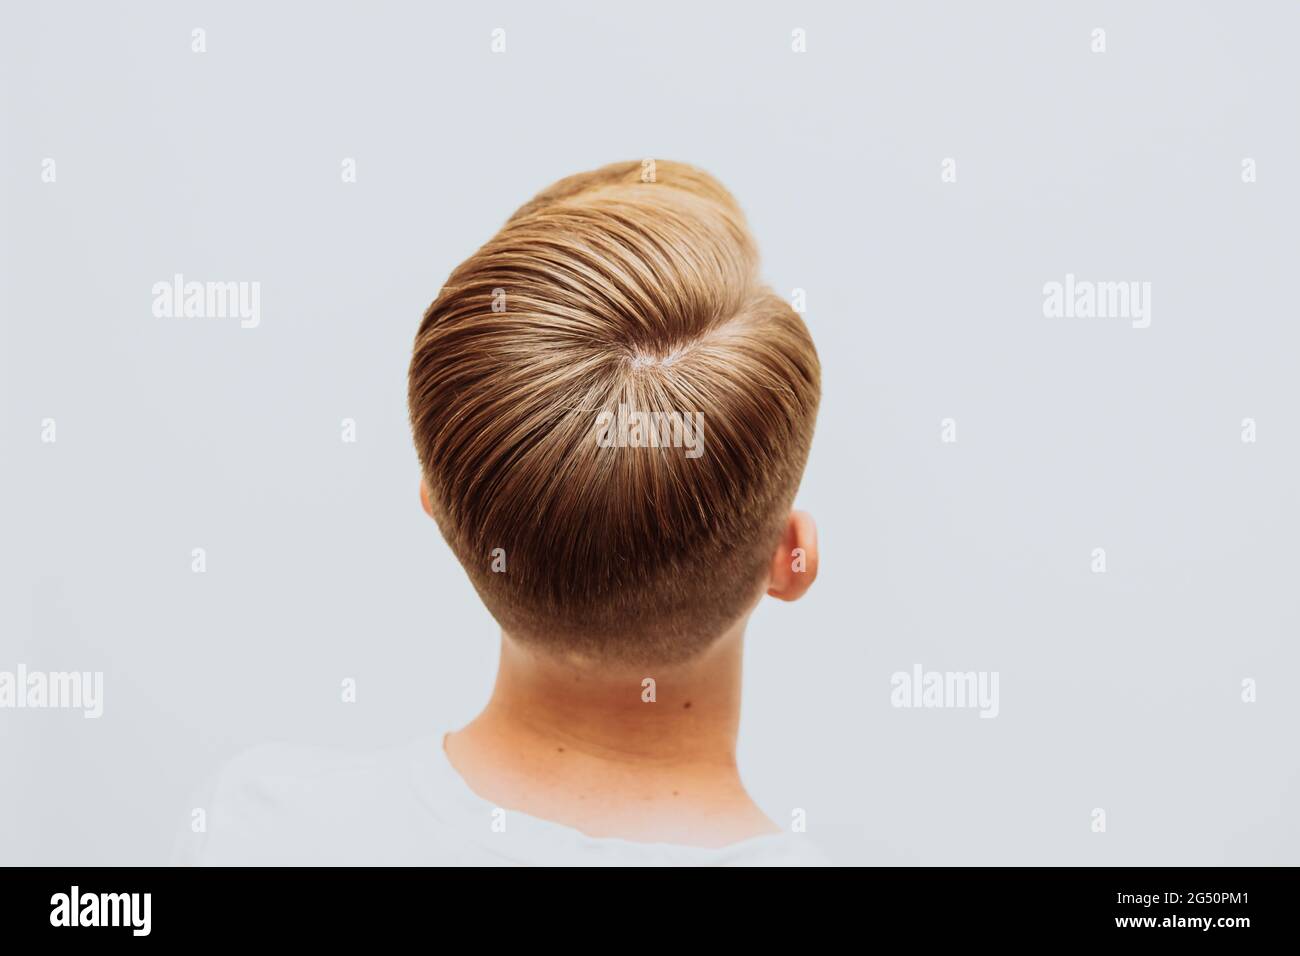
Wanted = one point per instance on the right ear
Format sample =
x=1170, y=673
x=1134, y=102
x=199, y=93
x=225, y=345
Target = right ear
x=424, y=498
x=787, y=579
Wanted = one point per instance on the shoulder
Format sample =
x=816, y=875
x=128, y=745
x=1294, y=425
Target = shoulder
x=278, y=804
x=782, y=849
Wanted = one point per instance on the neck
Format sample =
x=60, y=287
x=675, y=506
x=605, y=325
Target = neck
x=584, y=745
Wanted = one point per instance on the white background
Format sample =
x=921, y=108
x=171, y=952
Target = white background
x=1119, y=691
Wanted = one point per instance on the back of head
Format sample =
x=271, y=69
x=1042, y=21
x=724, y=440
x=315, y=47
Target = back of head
x=613, y=414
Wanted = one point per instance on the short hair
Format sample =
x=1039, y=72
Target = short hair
x=614, y=288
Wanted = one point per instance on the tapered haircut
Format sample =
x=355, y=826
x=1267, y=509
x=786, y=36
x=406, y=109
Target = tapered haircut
x=606, y=302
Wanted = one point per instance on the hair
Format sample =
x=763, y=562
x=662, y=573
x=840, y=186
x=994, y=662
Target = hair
x=608, y=290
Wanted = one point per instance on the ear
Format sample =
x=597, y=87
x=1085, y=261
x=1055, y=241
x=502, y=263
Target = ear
x=424, y=498
x=794, y=565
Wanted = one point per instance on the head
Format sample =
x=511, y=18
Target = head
x=612, y=414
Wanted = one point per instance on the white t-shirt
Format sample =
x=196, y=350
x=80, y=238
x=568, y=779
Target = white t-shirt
x=278, y=805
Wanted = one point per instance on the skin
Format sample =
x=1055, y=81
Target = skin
x=571, y=740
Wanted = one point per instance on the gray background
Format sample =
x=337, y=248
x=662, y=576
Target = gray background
x=1119, y=691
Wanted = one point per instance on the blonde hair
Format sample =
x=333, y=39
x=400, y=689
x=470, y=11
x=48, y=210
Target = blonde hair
x=603, y=291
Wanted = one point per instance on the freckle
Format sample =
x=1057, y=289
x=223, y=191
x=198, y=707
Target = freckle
x=559, y=750
x=686, y=706
x=674, y=793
